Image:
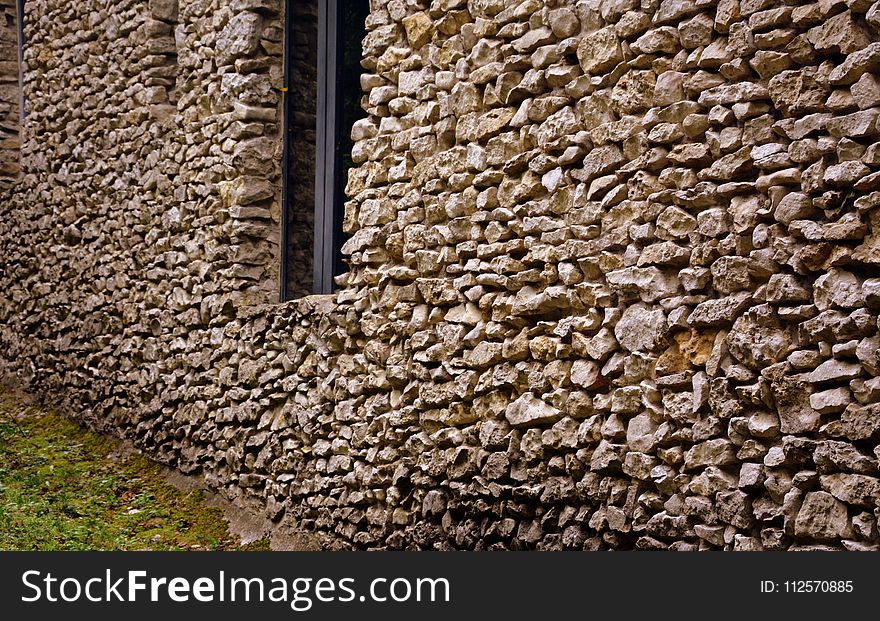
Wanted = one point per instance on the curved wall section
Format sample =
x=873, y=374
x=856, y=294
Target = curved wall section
x=613, y=268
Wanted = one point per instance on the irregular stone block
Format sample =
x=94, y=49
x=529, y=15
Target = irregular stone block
x=529, y=411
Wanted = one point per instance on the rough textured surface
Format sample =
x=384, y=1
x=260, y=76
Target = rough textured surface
x=613, y=268
x=10, y=95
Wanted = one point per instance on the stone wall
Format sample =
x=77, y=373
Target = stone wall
x=613, y=268
x=10, y=94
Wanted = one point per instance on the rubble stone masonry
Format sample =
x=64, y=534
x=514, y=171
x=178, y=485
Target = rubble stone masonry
x=10, y=95
x=613, y=267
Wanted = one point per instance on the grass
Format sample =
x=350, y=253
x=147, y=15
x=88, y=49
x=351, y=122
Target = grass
x=64, y=488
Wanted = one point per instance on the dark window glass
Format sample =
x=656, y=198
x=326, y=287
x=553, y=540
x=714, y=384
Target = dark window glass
x=301, y=102
x=323, y=101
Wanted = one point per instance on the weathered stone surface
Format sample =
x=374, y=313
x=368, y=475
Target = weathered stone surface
x=527, y=411
x=719, y=452
x=419, y=29
x=856, y=125
x=830, y=401
x=640, y=432
x=650, y=283
x=797, y=92
x=868, y=354
x=664, y=39
x=835, y=370
x=675, y=223
x=607, y=457
x=869, y=252
x=792, y=399
x=860, y=422
x=758, y=344
x=794, y=206
x=866, y=91
x=734, y=507
x=730, y=274
x=732, y=93
x=871, y=292
x=729, y=167
x=785, y=288
x=600, y=161
x=841, y=33
x=838, y=288
x=856, y=65
x=564, y=22
x=599, y=51
x=608, y=278
x=832, y=455
x=641, y=329
x=586, y=374
x=821, y=516
x=719, y=312
x=853, y=489
x=669, y=88
x=240, y=37
x=165, y=10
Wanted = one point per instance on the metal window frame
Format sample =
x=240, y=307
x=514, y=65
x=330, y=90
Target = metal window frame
x=327, y=171
x=328, y=198
x=284, y=253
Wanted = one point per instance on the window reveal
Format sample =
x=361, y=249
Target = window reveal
x=322, y=102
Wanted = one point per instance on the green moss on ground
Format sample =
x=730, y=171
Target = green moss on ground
x=64, y=488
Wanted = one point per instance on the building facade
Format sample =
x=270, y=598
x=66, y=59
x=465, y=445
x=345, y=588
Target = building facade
x=611, y=266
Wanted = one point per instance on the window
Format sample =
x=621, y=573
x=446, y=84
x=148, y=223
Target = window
x=322, y=102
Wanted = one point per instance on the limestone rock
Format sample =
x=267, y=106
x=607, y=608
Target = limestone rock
x=853, y=489
x=856, y=64
x=419, y=29
x=860, y=422
x=792, y=400
x=758, y=344
x=868, y=354
x=672, y=11
x=599, y=51
x=856, y=125
x=719, y=312
x=798, y=92
x=640, y=433
x=866, y=91
x=841, y=33
x=600, y=161
x=564, y=22
x=718, y=452
x=838, y=288
x=794, y=206
x=165, y=10
x=641, y=328
x=830, y=401
x=650, y=283
x=607, y=457
x=528, y=411
x=608, y=276
x=664, y=39
x=785, y=289
x=835, y=370
x=831, y=455
x=586, y=374
x=240, y=37
x=821, y=516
